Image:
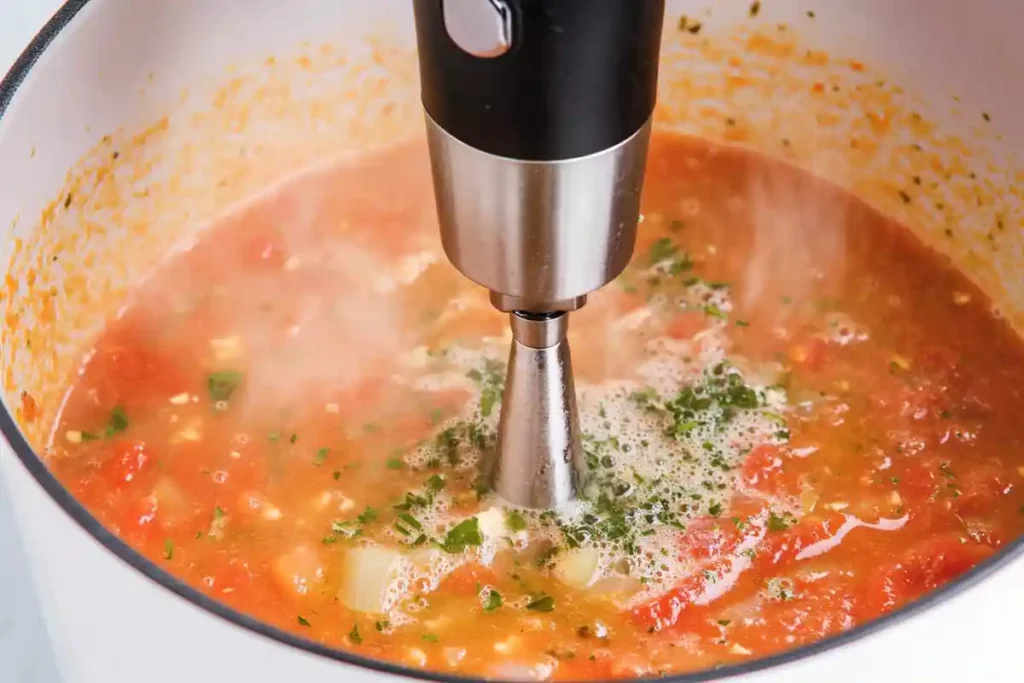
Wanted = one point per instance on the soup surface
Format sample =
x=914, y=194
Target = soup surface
x=796, y=418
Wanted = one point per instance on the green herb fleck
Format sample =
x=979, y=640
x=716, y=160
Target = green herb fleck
x=321, y=456
x=430, y=638
x=368, y=515
x=303, y=621
x=118, y=421
x=543, y=603
x=488, y=397
x=462, y=535
x=493, y=601
x=515, y=521
x=394, y=463
x=780, y=522
x=222, y=385
x=168, y=549
x=354, y=636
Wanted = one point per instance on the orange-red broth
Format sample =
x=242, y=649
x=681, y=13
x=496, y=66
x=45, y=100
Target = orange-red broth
x=311, y=379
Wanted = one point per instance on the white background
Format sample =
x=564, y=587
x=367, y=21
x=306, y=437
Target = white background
x=25, y=653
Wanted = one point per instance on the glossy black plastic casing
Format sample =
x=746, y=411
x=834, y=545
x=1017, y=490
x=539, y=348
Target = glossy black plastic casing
x=580, y=77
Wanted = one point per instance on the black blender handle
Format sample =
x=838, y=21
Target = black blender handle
x=575, y=77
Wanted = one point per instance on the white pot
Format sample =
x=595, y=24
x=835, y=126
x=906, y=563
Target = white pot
x=103, y=64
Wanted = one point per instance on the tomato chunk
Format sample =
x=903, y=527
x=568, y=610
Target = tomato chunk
x=921, y=568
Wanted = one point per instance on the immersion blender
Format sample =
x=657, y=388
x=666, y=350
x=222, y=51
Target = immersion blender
x=538, y=120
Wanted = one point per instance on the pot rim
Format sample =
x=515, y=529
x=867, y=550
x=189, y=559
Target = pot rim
x=79, y=515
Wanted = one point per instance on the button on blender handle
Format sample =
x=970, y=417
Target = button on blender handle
x=482, y=28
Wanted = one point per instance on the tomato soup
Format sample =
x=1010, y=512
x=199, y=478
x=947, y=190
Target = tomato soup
x=796, y=419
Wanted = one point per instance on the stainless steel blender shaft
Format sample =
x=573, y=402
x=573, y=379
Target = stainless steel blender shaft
x=538, y=117
x=540, y=458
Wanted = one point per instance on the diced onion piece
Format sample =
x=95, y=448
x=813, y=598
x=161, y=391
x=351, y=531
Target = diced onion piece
x=416, y=657
x=368, y=573
x=492, y=523
x=180, y=399
x=73, y=436
x=578, y=569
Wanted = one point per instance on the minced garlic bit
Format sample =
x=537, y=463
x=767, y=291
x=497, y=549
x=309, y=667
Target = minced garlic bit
x=416, y=657
x=508, y=646
x=961, y=298
x=73, y=436
x=270, y=512
x=895, y=499
x=738, y=649
x=837, y=506
x=227, y=348
x=180, y=399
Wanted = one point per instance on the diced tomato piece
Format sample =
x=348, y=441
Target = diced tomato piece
x=713, y=537
x=468, y=579
x=921, y=568
x=136, y=522
x=676, y=609
x=759, y=465
x=782, y=547
x=811, y=610
x=229, y=575
x=978, y=487
x=811, y=354
x=686, y=324
x=125, y=465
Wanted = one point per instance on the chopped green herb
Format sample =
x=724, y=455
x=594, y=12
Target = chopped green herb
x=336, y=474
x=218, y=512
x=715, y=312
x=715, y=509
x=273, y=436
x=780, y=522
x=168, y=549
x=89, y=436
x=488, y=397
x=321, y=456
x=904, y=197
x=543, y=603
x=430, y=638
x=515, y=521
x=303, y=621
x=407, y=525
x=381, y=626
x=354, y=636
x=436, y=483
x=661, y=250
x=394, y=464
x=755, y=9
x=293, y=438
x=493, y=601
x=222, y=385
x=742, y=323
x=724, y=622
x=462, y=535
x=118, y=421
x=366, y=516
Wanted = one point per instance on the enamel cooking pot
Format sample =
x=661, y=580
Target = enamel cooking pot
x=126, y=124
